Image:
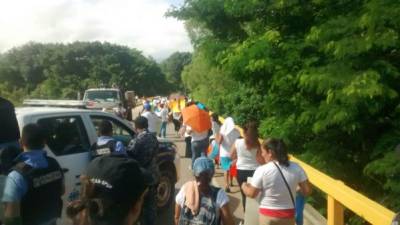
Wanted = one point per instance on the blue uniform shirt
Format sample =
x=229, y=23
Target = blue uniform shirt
x=119, y=147
x=16, y=185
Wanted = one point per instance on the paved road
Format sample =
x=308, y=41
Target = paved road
x=186, y=175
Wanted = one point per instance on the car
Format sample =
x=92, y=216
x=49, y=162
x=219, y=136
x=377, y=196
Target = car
x=70, y=133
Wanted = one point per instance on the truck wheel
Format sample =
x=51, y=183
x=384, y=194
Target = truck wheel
x=165, y=190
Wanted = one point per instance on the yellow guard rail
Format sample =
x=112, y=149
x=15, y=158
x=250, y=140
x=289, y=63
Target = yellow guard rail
x=341, y=196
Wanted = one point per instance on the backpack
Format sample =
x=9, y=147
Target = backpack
x=208, y=211
x=7, y=158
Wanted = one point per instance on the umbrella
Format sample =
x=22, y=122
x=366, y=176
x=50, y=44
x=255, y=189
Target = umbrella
x=197, y=119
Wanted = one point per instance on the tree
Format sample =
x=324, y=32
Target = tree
x=60, y=71
x=323, y=75
x=173, y=66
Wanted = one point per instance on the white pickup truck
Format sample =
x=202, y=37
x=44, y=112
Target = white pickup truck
x=71, y=132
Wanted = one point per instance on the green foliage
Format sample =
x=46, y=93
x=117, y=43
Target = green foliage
x=60, y=71
x=322, y=74
x=173, y=66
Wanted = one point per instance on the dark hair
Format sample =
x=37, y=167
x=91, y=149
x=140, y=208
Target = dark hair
x=251, y=131
x=141, y=122
x=215, y=118
x=33, y=136
x=105, y=128
x=278, y=148
x=94, y=208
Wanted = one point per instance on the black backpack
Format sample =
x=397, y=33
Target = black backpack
x=7, y=158
x=105, y=149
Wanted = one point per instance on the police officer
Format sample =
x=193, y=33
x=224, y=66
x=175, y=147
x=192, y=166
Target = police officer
x=144, y=149
x=106, y=144
x=33, y=189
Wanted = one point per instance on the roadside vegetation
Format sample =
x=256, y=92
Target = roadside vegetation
x=322, y=74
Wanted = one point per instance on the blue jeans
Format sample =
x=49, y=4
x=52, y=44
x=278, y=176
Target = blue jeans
x=300, y=202
x=163, y=129
x=199, y=148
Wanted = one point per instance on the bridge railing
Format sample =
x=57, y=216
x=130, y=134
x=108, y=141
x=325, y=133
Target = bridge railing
x=341, y=196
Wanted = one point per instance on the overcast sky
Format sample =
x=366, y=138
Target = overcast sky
x=136, y=23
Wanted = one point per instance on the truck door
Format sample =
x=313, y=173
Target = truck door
x=68, y=143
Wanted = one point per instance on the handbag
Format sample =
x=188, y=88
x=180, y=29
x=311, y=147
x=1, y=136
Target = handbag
x=287, y=185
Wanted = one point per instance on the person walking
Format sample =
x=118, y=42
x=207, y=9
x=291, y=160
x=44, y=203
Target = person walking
x=246, y=153
x=151, y=117
x=164, y=120
x=113, y=189
x=227, y=137
x=199, y=143
x=199, y=202
x=215, y=126
x=144, y=149
x=105, y=143
x=277, y=181
x=33, y=189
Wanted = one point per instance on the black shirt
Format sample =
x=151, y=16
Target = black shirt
x=9, y=130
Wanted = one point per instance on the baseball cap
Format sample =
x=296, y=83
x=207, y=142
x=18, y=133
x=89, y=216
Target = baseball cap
x=147, y=106
x=203, y=164
x=118, y=177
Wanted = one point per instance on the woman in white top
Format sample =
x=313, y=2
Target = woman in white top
x=247, y=154
x=277, y=181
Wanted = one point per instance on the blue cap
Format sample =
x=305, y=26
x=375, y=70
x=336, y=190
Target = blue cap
x=203, y=164
x=147, y=106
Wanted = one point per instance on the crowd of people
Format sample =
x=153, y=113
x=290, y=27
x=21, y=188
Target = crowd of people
x=281, y=183
x=119, y=184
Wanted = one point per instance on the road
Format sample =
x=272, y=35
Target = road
x=186, y=175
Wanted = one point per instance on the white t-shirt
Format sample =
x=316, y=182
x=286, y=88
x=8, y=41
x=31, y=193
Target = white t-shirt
x=227, y=142
x=274, y=193
x=246, y=158
x=197, y=136
x=215, y=127
x=164, y=115
x=152, y=120
x=222, y=198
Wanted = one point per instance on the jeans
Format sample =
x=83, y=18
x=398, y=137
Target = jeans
x=199, y=148
x=300, y=202
x=149, y=210
x=188, y=150
x=242, y=176
x=163, y=129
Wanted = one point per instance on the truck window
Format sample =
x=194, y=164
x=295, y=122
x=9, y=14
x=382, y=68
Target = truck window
x=65, y=135
x=102, y=95
x=120, y=131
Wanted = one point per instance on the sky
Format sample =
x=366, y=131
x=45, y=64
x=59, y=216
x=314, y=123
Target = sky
x=139, y=24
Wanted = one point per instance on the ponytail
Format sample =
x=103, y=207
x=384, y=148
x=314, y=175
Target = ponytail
x=278, y=149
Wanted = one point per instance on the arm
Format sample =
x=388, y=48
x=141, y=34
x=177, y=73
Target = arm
x=226, y=215
x=233, y=153
x=259, y=157
x=305, y=188
x=177, y=213
x=14, y=189
x=249, y=190
x=12, y=213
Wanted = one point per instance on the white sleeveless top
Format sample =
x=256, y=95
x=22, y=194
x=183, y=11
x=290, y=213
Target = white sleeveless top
x=246, y=158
